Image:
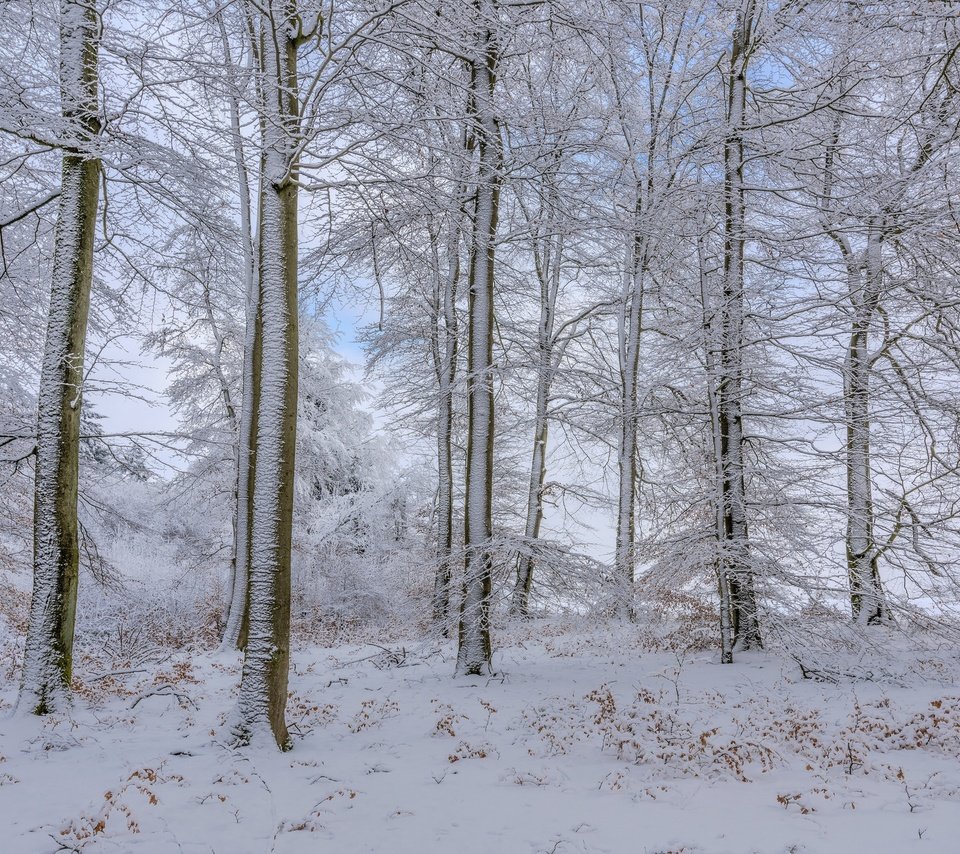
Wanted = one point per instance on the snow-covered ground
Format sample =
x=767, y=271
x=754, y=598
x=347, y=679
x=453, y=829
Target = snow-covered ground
x=584, y=741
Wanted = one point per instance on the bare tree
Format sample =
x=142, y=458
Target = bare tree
x=263, y=686
x=475, y=649
x=235, y=631
x=736, y=573
x=868, y=221
x=48, y=657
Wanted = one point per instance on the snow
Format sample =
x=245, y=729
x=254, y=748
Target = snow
x=583, y=741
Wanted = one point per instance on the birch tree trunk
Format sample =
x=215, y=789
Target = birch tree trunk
x=263, y=686
x=48, y=656
x=735, y=553
x=475, y=650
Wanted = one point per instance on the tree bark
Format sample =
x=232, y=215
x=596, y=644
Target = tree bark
x=867, y=599
x=475, y=650
x=531, y=532
x=48, y=656
x=737, y=569
x=263, y=686
x=446, y=347
x=710, y=363
x=864, y=272
x=631, y=319
x=234, y=635
x=548, y=265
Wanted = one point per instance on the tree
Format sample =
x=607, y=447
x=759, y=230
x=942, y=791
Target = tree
x=48, y=657
x=234, y=634
x=869, y=204
x=475, y=650
x=551, y=242
x=736, y=571
x=263, y=686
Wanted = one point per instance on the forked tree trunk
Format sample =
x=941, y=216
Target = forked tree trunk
x=736, y=564
x=263, y=685
x=48, y=656
x=865, y=288
x=475, y=651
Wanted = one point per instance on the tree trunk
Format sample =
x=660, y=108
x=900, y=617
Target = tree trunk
x=445, y=358
x=866, y=594
x=631, y=319
x=710, y=362
x=538, y=473
x=864, y=287
x=240, y=570
x=548, y=265
x=48, y=656
x=735, y=553
x=441, y=587
x=475, y=651
x=263, y=686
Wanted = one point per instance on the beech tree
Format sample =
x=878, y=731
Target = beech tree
x=292, y=112
x=48, y=657
x=870, y=206
x=236, y=624
x=475, y=651
x=552, y=245
x=737, y=573
x=263, y=686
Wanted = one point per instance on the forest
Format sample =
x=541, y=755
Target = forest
x=508, y=425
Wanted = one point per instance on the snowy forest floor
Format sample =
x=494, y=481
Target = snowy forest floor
x=586, y=740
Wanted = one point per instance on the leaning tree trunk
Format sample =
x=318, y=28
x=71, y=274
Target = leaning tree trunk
x=475, y=651
x=737, y=571
x=263, y=685
x=48, y=656
x=866, y=593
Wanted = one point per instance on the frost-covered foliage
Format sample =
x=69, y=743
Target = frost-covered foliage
x=360, y=536
x=359, y=531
